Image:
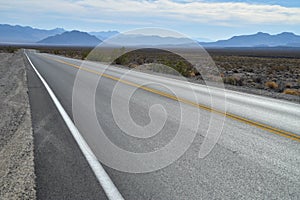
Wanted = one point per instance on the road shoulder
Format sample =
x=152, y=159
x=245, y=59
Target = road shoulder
x=17, y=178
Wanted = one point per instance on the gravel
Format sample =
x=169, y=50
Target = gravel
x=17, y=178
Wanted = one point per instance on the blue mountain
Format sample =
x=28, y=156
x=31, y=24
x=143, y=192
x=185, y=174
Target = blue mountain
x=24, y=34
x=259, y=39
x=72, y=38
x=103, y=35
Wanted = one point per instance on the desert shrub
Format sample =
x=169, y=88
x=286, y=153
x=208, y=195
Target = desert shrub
x=84, y=54
x=8, y=49
x=271, y=85
x=232, y=80
x=133, y=65
x=122, y=60
x=292, y=92
x=12, y=49
x=182, y=68
x=191, y=74
x=229, y=80
x=140, y=61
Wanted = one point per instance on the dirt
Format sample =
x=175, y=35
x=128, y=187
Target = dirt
x=17, y=178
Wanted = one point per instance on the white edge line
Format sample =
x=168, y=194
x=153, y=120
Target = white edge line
x=109, y=188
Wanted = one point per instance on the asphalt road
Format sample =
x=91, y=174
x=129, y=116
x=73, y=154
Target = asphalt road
x=60, y=168
x=256, y=157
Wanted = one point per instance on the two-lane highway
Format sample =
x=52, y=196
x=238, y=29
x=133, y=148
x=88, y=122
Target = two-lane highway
x=257, y=155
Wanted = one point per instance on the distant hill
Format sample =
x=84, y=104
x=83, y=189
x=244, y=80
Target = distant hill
x=149, y=40
x=259, y=39
x=24, y=34
x=103, y=35
x=73, y=38
x=59, y=36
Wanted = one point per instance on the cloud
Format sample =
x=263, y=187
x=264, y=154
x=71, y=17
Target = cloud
x=203, y=11
x=225, y=13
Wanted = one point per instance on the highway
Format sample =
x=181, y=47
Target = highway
x=257, y=154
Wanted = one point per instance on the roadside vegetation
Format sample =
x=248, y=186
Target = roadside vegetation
x=8, y=49
x=273, y=70
x=269, y=73
x=267, y=69
x=72, y=52
x=279, y=73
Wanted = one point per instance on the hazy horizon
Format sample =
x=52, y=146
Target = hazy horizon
x=201, y=39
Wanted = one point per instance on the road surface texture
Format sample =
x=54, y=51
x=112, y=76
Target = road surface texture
x=17, y=179
x=250, y=160
x=61, y=170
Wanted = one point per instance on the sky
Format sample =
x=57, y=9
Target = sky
x=211, y=19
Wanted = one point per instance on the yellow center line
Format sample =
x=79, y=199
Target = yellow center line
x=265, y=127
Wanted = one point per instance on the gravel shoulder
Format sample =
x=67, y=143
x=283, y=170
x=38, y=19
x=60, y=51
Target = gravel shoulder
x=17, y=178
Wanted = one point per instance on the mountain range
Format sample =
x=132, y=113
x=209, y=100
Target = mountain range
x=148, y=40
x=15, y=34
x=71, y=38
x=103, y=35
x=259, y=39
x=25, y=34
x=59, y=36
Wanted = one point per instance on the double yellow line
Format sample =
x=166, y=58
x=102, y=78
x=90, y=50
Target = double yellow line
x=186, y=101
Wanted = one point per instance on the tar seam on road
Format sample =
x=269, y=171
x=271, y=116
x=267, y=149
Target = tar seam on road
x=265, y=127
x=108, y=186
